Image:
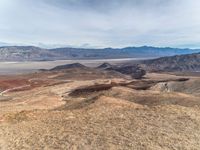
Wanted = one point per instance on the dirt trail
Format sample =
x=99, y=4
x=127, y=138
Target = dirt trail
x=14, y=89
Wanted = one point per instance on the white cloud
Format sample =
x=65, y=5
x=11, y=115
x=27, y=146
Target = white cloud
x=104, y=23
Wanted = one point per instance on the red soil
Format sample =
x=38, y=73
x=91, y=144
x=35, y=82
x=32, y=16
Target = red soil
x=7, y=84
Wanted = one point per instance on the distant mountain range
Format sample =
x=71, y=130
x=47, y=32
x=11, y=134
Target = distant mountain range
x=31, y=53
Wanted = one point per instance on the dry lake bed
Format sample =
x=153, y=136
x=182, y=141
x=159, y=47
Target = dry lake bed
x=31, y=66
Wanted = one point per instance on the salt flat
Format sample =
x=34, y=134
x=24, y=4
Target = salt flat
x=31, y=66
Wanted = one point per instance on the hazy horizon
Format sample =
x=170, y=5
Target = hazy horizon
x=55, y=46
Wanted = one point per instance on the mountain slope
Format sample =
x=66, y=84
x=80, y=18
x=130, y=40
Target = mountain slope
x=31, y=53
x=190, y=63
x=25, y=53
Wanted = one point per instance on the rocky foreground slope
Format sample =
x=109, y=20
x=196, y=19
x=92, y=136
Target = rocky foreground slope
x=80, y=109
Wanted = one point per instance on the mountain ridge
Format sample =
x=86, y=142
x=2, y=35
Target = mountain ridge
x=33, y=53
x=182, y=63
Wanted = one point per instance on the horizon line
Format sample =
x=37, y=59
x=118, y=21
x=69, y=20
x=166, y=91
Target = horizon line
x=96, y=47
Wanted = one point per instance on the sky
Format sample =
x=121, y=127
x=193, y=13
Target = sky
x=100, y=23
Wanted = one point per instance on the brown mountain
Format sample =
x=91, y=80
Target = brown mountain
x=183, y=63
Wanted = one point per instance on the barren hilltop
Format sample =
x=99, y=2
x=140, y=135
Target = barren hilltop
x=107, y=107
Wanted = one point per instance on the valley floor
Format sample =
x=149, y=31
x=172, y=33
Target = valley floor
x=46, y=111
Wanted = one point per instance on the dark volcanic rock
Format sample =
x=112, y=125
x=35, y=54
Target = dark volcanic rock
x=105, y=66
x=68, y=66
x=135, y=71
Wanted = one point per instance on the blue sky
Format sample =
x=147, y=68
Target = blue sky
x=101, y=23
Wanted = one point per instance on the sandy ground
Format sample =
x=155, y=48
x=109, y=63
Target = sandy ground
x=47, y=117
